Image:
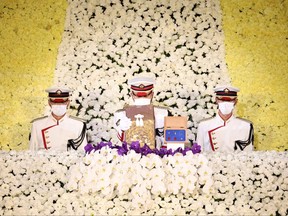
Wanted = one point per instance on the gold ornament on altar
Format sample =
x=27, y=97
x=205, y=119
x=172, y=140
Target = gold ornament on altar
x=143, y=125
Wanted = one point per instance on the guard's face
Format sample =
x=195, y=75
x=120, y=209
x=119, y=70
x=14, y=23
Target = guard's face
x=53, y=103
x=142, y=99
x=226, y=105
x=142, y=95
x=226, y=99
x=59, y=107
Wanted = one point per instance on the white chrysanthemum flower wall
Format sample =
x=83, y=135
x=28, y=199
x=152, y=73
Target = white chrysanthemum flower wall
x=180, y=44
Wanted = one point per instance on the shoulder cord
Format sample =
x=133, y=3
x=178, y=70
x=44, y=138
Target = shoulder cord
x=243, y=144
x=75, y=143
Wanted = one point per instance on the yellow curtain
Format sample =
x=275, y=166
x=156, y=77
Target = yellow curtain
x=257, y=57
x=30, y=34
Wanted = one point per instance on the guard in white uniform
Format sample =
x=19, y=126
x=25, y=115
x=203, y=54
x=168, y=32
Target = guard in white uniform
x=142, y=94
x=225, y=132
x=58, y=131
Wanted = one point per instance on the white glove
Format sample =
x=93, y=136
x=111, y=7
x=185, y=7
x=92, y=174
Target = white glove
x=125, y=123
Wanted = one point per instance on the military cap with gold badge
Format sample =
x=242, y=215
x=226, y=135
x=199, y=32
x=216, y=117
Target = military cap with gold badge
x=58, y=94
x=141, y=86
x=226, y=92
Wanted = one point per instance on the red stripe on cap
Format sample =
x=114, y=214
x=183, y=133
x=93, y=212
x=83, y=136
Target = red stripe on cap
x=226, y=98
x=142, y=88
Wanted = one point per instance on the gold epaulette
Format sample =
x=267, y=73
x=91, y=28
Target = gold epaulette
x=120, y=110
x=125, y=106
x=77, y=118
x=207, y=119
x=43, y=117
x=162, y=107
x=246, y=120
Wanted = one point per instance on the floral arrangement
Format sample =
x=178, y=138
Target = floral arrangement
x=106, y=183
x=144, y=150
x=180, y=44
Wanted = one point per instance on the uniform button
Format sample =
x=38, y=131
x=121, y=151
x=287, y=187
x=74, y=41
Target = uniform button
x=213, y=138
x=215, y=143
x=48, y=142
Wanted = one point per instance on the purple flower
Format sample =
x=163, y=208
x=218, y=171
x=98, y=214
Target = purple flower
x=122, y=150
x=196, y=148
x=185, y=150
x=163, y=151
x=88, y=148
x=103, y=144
x=109, y=144
x=145, y=150
x=169, y=152
x=178, y=150
x=135, y=145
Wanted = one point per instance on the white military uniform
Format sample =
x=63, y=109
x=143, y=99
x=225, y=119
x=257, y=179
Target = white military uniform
x=159, y=113
x=48, y=133
x=235, y=134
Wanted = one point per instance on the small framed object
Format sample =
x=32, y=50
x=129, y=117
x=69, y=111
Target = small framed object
x=143, y=125
x=175, y=131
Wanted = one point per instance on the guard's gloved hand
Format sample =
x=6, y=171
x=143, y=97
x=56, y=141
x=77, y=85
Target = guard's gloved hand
x=124, y=123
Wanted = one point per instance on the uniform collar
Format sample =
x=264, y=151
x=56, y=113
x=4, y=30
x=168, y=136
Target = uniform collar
x=222, y=121
x=61, y=120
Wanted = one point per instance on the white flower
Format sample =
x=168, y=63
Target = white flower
x=221, y=209
x=158, y=188
x=150, y=161
x=204, y=173
x=209, y=208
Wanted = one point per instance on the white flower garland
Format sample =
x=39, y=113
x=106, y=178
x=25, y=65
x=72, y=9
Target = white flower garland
x=105, y=183
x=105, y=43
